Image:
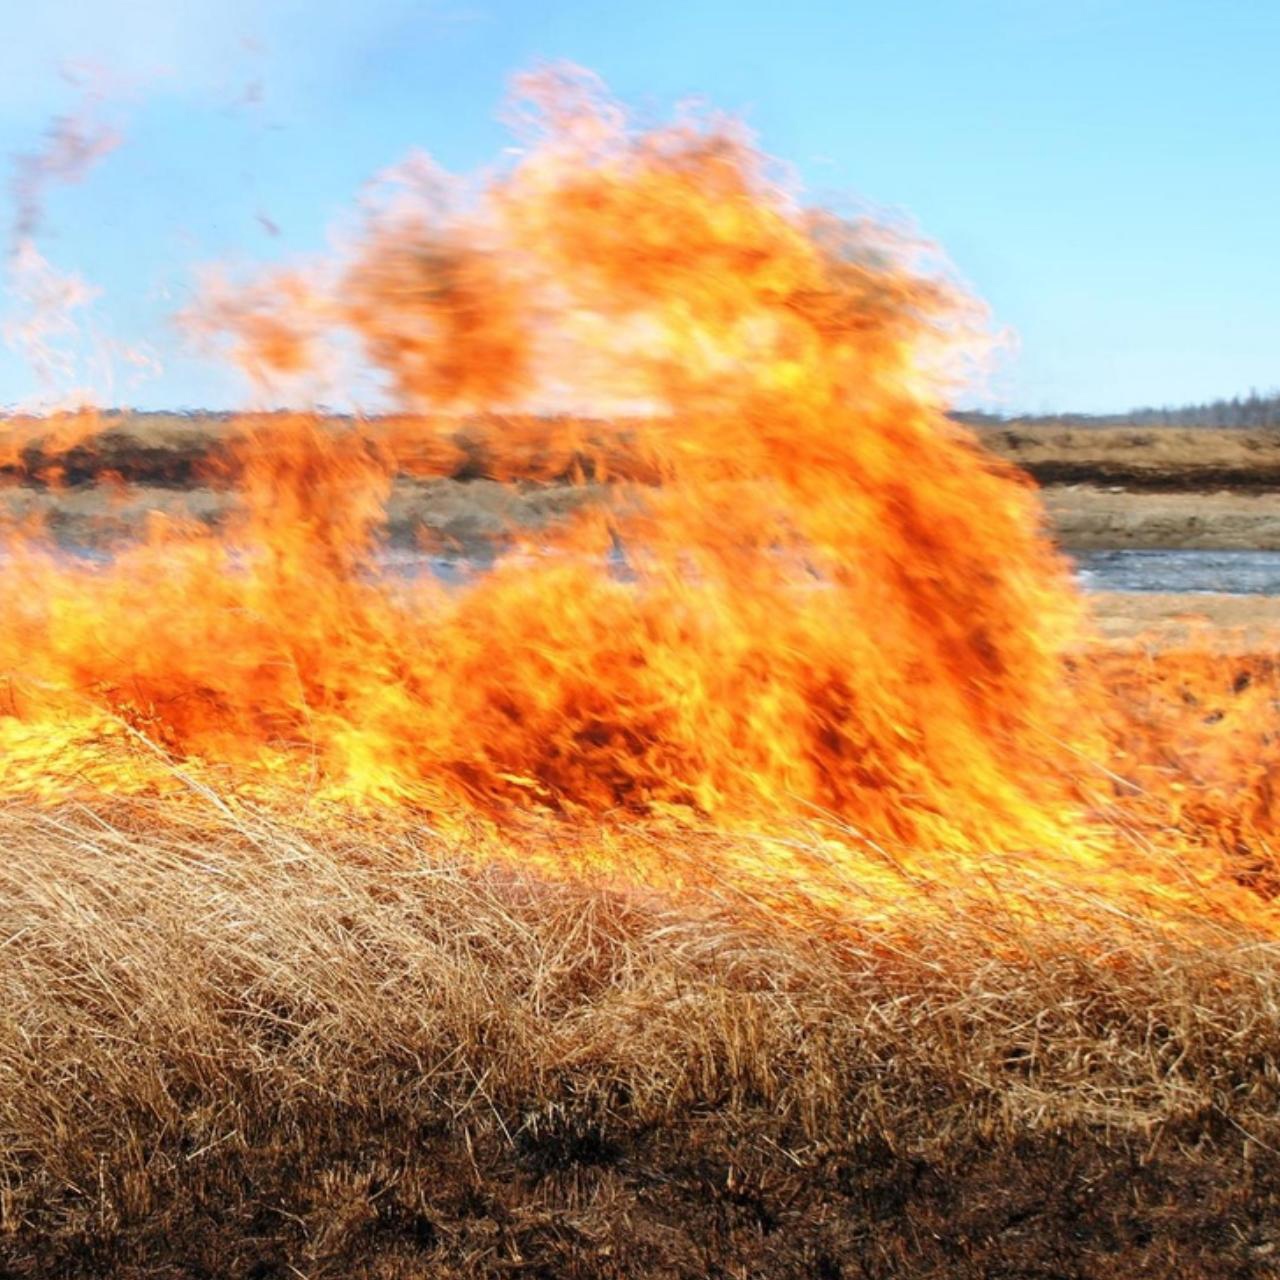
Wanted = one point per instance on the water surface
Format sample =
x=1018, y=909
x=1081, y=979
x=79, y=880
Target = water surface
x=1243, y=573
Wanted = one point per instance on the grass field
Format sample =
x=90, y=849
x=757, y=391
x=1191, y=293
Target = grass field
x=1104, y=487
x=229, y=1049
x=172, y=445
x=237, y=1045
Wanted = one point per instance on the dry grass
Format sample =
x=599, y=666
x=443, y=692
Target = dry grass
x=229, y=1050
x=1193, y=621
x=170, y=448
x=1160, y=458
x=1194, y=487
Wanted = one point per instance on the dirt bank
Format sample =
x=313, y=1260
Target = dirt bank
x=1220, y=622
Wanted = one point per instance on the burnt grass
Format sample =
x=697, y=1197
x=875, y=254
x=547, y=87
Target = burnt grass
x=230, y=1049
x=387, y=1192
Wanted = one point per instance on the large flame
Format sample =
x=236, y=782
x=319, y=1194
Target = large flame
x=810, y=599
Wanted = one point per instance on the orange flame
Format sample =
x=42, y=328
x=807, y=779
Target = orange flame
x=811, y=599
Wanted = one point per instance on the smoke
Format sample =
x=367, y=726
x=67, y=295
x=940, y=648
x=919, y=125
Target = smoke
x=73, y=144
x=48, y=324
x=46, y=316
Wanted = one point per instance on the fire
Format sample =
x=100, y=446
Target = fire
x=811, y=603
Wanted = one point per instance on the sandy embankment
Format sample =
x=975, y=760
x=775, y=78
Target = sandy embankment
x=1227, y=624
x=1088, y=518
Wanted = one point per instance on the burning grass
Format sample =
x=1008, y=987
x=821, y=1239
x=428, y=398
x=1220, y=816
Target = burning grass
x=233, y=1049
x=762, y=875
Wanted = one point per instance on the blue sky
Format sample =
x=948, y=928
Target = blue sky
x=1103, y=174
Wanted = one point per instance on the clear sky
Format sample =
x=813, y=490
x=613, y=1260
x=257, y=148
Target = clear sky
x=1104, y=173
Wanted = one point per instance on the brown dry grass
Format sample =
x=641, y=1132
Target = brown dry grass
x=1161, y=458
x=230, y=1050
x=1105, y=487
x=177, y=449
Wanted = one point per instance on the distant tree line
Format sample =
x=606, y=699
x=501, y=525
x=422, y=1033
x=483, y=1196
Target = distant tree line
x=1253, y=410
